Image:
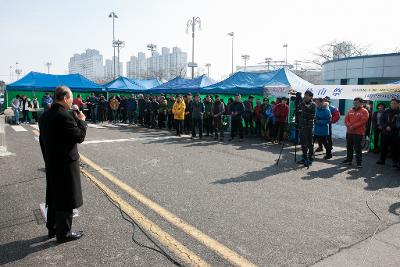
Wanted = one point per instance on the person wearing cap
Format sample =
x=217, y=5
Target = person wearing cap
x=236, y=110
x=218, y=110
x=321, y=128
x=248, y=115
x=188, y=116
x=208, y=119
x=179, y=114
x=197, y=111
x=335, y=113
x=306, y=111
x=355, y=121
x=390, y=133
x=377, y=126
x=170, y=118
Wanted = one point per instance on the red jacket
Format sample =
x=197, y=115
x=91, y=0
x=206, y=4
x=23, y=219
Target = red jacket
x=356, y=120
x=257, y=113
x=281, y=112
x=78, y=102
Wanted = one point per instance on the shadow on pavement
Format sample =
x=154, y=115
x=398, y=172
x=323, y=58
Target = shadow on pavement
x=17, y=250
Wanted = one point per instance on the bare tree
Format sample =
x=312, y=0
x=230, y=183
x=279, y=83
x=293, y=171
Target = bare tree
x=335, y=50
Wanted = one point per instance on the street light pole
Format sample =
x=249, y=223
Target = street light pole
x=192, y=23
x=232, y=34
x=286, y=46
x=113, y=16
x=245, y=58
x=48, y=64
x=119, y=44
x=208, y=65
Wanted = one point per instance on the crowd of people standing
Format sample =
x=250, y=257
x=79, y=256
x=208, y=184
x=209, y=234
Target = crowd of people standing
x=269, y=120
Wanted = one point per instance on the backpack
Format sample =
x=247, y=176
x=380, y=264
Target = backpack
x=335, y=115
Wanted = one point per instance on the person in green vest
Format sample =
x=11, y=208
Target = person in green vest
x=162, y=112
x=208, y=119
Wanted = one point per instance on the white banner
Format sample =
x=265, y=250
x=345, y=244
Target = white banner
x=384, y=92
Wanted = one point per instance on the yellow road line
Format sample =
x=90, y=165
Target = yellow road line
x=164, y=238
x=209, y=242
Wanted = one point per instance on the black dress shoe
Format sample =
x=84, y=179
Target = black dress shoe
x=51, y=234
x=70, y=237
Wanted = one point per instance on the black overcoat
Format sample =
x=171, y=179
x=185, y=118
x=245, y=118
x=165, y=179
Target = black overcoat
x=60, y=133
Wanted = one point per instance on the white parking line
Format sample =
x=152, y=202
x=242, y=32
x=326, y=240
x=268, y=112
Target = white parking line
x=18, y=128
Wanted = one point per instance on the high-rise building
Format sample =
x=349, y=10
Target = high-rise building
x=163, y=66
x=109, y=67
x=88, y=64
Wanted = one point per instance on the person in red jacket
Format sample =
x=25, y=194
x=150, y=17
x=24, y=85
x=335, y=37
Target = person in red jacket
x=257, y=117
x=78, y=101
x=355, y=121
x=281, y=112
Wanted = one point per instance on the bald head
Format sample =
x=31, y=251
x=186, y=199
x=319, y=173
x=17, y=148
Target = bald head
x=63, y=96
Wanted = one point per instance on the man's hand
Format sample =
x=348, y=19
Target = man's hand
x=80, y=116
x=388, y=128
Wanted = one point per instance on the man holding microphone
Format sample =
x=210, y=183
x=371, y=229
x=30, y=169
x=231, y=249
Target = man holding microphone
x=60, y=132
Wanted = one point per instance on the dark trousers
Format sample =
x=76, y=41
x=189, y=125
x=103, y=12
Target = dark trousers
x=280, y=130
x=237, y=127
x=393, y=143
x=141, y=117
x=248, y=124
x=218, y=127
x=147, y=118
x=179, y=127
x=306, y=141
x=161, y=120
x=188, y=123
x=61, y=221
x=131, y=116
x=325, y=142
x=170, y=121
x=354, y=144
x=208, y=121
x=377, y=137
x=197, y=123
x=257, y=129
x=329, y=138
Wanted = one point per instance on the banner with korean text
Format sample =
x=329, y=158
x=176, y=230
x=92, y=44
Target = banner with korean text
x=383, y=92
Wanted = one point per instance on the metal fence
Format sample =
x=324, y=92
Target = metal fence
x=3, y=147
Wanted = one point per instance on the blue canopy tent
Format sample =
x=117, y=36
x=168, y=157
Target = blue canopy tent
x=149, y=84
x=256, y=82
x=36, y=81
x=123, y=85
x=182, y=85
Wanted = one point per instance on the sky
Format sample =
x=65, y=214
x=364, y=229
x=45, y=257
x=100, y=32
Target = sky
x=35, y=32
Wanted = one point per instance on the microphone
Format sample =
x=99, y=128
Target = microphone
x=75, y=109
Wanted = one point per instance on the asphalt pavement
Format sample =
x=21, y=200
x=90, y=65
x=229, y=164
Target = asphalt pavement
x=233, y=192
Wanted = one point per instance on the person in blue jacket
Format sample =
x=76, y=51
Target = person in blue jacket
x=321, y=127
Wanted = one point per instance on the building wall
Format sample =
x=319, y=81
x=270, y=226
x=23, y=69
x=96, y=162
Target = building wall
x=374, y=69
x=166, y=65
x=89, y=64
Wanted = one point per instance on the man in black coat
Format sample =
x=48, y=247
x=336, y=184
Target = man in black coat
x=60, y=132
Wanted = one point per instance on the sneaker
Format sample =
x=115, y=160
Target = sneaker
x=380, y=162
x=347, y=162
x=328, y=156
x=359, y=166
x=319, y=149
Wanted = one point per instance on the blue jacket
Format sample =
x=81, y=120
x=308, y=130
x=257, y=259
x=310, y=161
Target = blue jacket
x=322, y=118
x=131, y=104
